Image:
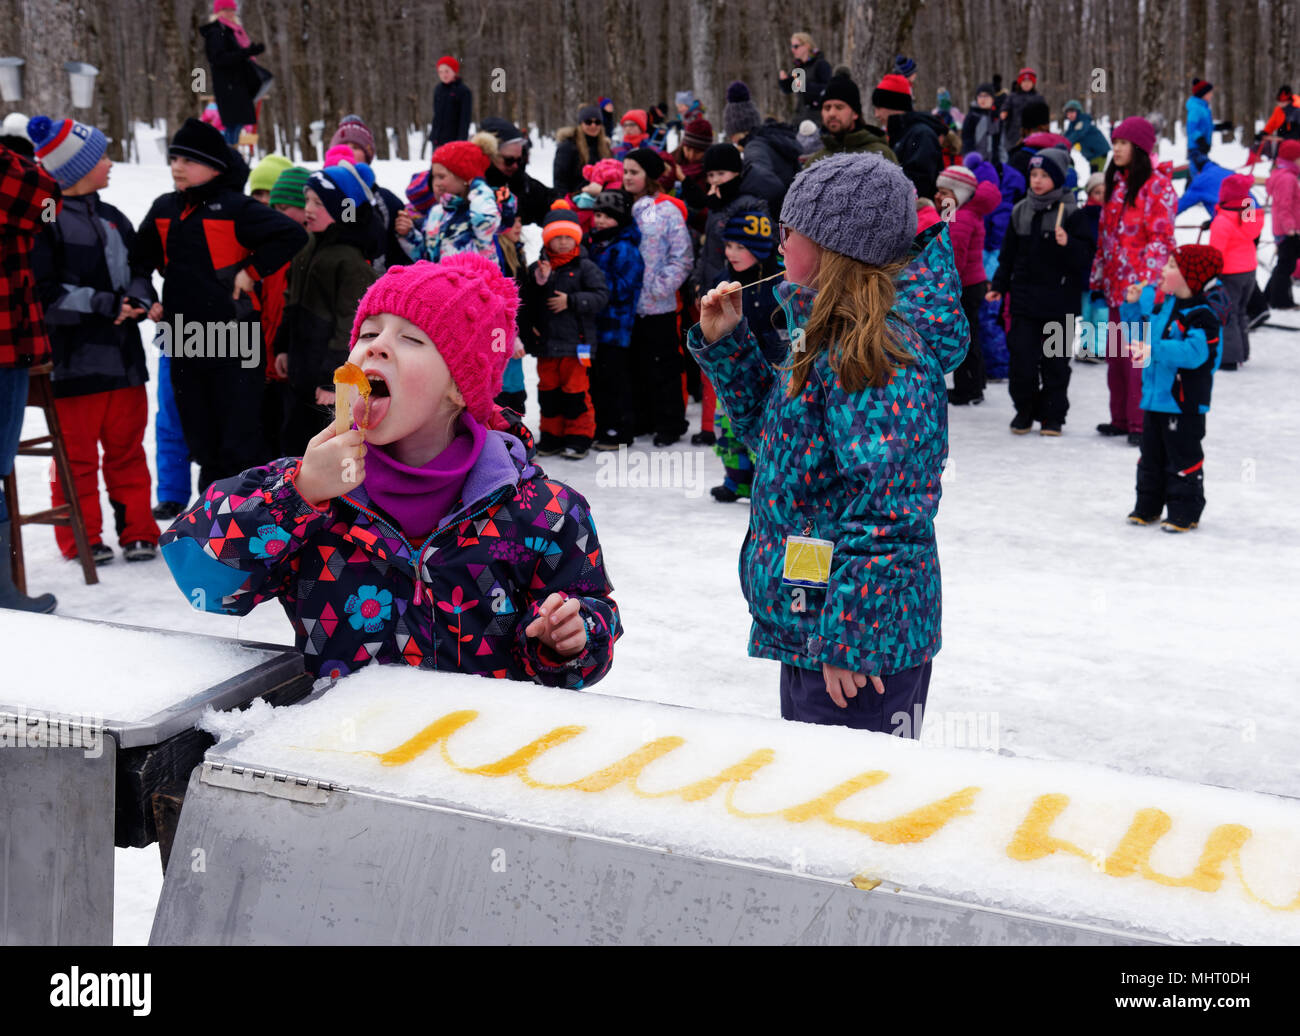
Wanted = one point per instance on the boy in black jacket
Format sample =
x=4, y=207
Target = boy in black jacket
x=92, y=309
x=212, y=242
x=564, y=295
x=1044, y=253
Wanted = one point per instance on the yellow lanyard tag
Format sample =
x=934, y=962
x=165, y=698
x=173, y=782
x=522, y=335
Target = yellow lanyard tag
x=807, y=562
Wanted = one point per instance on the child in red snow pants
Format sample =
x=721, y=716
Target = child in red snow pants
x=563, y=392
x=115, y=420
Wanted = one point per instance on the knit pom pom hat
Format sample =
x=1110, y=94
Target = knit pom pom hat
x=467, y=159
x=67, y=149
x=352, y=130
x=1199, y=264
x=858, y=204
x=740, y=114
x=608, y=172
x=961, y=181
x=698, y=134
x=467, y=308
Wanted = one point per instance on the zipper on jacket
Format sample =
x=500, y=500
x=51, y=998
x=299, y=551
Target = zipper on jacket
x=418, y=556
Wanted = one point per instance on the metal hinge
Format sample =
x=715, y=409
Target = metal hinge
x=269, y=782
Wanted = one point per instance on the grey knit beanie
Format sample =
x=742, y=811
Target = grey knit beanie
x=858, y=204
x=740, y=115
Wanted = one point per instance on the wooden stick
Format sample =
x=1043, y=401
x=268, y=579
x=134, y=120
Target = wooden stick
x=732, y=291
x=1060, y=211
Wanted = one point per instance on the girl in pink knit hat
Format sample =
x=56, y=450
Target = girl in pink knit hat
x=424, y=535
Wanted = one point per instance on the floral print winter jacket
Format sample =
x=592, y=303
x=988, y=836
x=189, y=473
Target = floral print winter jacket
x=1134, y=241
x=456, y=225
x=861, y=469
x=357, y=591
x=667, y=251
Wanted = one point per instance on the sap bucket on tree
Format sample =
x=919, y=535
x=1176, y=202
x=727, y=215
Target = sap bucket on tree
x=81, y=81
x=11, y=79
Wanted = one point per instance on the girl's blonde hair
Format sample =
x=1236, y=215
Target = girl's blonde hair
x=850, y=321
x=804, y=38
x=511, y=252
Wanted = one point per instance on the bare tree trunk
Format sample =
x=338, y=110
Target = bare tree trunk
x=1155, y=27
x=704, y=59
x=49, y=39
x=874, y=31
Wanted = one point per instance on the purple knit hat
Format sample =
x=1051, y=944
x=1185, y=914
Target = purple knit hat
x=352, y=130
x=1138, y=132
x=466, y=306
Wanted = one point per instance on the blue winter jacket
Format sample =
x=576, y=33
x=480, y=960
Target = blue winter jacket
x=1200, y=124
x=1184, y=336
x=619, y=259
x=859, y=468
x=995, y=224
x=1202, y=185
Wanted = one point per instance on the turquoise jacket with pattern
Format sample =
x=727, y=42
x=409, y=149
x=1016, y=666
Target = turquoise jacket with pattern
x=861, y=469
x=358, y=591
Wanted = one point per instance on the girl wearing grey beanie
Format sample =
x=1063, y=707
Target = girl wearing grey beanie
x=840, y=567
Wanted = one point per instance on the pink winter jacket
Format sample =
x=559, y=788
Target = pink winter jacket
x=967, y=233
x=1134, y=241
x=1236, y=238
x=1284, y=189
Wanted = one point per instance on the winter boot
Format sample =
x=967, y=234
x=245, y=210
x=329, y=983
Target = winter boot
x=9, y=595
x=1022, y=424
x=1137, y=518
x=1111, y=429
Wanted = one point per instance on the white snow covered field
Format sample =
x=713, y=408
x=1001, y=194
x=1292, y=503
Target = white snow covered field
x=1071, y=634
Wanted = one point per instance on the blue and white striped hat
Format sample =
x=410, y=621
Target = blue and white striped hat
x=67, y=149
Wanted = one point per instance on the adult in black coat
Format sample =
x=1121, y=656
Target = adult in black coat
x=235, y=81
x=508, y=170
x=774, y=148
x=578, y=146
x=816, y=74
x=915, y=137
x=452, y=105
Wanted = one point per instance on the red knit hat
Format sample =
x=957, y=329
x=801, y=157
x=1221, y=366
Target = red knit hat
x=1199, y=264
x=450, y=62
x=1289, y=151
x=894, y=93
x=608, y=172
x=463, y=159
x=466, y=306
x=1200, y=87
x=636, y=115
x=1027, y=71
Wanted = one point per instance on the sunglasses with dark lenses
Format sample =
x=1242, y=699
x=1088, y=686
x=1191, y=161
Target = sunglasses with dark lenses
x=591, y=122
x=505, y=160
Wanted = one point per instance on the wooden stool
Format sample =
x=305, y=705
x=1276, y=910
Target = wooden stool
x=41, y=394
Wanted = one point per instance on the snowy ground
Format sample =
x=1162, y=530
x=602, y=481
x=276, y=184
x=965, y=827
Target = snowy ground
x=1080, y=637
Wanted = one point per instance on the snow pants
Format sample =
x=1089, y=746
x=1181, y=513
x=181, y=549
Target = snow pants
x=1171, y=469
x=220, y=406
x=563, y=393
x=1279, y=284
x=1039, y=383
x=14, y=384
x=968, y=378
x=1124, y=381
x=172, y=455
x=657, y=376
x=116, y=421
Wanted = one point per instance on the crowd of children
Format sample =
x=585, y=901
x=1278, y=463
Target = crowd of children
x=324, y=267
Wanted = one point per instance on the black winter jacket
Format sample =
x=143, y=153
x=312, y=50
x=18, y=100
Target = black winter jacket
x=82, y=277
x=201, y=238
x=915, y=138
x=451, y=112
x=234, y=80
x=774, y=147
x=817, y=73
x=555, y=335
x=1042, y=276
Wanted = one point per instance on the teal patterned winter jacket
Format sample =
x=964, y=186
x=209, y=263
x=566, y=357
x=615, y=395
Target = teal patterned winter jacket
x=861, y=469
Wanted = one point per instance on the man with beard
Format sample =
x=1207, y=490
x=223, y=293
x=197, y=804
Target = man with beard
x=845, y=128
